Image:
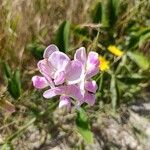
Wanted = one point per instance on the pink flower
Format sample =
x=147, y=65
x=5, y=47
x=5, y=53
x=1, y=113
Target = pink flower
x=90, y=67
x=45, y=69
x=54, y=64
x=68, y=78
x=57, y=68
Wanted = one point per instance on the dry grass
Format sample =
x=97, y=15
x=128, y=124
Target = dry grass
x=24, y=21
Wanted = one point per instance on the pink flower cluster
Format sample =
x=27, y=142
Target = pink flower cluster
x=68, y=78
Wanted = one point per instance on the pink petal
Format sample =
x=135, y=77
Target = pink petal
x=54, y=92
x=93, y=59
x=70, y=90
x=92, y=71
x=59, y=78
x=92, y=67
x=39, y=82
x=74, y=92
x=80, y=55
x=65, y=101
x=49, y=50
x=89, y=98
x=59, y=60
x=74, y=72
x=46, y=70
x=91, y=86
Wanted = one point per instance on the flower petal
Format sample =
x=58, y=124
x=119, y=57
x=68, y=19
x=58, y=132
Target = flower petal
x=92, y=67
x=115, y=50
x=54, y=92
x=39, y=82
x=104, y=64
x=74, y=92
x=91, y=86
x=69, y=90
x=46, y=70
x=65, y=101
x=93, y=59
x=89, y=98
x=80, y=55
x=74, y=72
x=49, y=50
x=59, y=78
x=59, y=60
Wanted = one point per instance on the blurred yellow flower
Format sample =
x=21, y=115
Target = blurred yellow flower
x=114, y=50
x=104, y=64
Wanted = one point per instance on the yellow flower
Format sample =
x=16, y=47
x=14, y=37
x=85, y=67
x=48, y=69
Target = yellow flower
x=104, y=64
x=114, y=50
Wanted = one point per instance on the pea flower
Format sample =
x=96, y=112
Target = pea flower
x=56, y=67
x=67, y=78
x=90, y=67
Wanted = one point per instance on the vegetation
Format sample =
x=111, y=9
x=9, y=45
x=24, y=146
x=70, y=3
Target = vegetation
x=118, y=30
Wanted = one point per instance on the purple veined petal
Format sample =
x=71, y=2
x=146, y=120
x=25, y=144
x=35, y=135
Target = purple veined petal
x=93, y=59
x=80, y=55
x=49, y=50
x=74, y=92
x=54, y=92
x=46, y=70
x=92, y=71
x=92, y=66
x=65, y=101
x=69, y=90
x=74, y=72
x=59, y=78
x=89, y=98
x=59, y=60
x=39, y=82
x=91, y=86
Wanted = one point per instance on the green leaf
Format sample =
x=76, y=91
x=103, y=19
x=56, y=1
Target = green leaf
x=137, y=38
x=62, y=36
x=101, y=82
x=83, y=126
x=142, y=61
x=115, y=5
x=97, y=13
x=6, y=69
x=133, y=41
x=132, y=79
x=14, y=85
x=36, y=50
x=144, y=38
x=113, y=91
x=143, y=31
x=110, y=11
x=106, y=11
x=81, y=33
